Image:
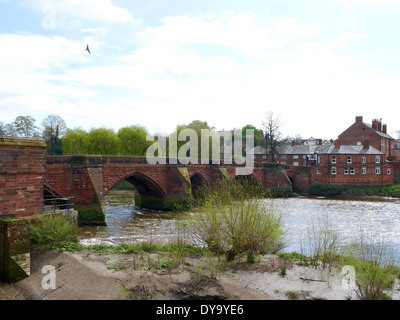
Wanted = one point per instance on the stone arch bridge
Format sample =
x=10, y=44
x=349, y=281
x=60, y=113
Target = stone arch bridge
x=88, y=179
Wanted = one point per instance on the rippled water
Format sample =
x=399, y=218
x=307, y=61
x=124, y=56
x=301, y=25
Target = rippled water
x=378, y=219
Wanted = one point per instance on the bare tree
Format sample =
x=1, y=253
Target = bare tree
x=23, y=127
x=272, y=133
x=54, y=128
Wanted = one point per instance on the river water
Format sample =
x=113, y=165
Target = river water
x=376, y=219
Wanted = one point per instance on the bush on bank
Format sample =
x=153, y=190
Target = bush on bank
x=231, y=218
x=52, y=231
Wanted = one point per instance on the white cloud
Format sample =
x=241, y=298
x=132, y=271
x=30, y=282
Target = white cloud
x=26, y=52
x=371, y=3
x=93, y=10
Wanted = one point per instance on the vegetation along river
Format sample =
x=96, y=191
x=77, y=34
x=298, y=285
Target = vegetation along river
x=377, y=219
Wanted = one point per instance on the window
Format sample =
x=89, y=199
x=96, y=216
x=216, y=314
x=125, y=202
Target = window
x=295, y=163
x=304, y=156
x=352, y=170
x=333, y=171
x=283, y=156
x=363, y=170
x=333, y=159
x=377, y=170
x=348, y=159
x=295, y=156
x=359, y=143
x=264, y=156
x=283, y=162
x=363, y=159
x=346, y=170
x=317, y=171
x=389, y=171
x=377, y=159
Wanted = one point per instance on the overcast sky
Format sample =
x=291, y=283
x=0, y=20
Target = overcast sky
x=158, y=63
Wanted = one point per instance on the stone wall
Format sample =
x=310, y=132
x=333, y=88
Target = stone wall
x=22, y=168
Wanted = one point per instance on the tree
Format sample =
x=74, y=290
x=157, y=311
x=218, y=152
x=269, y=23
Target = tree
x=197, y=126
x=273, y=136
x=102, y=141
x=54, y=129
x=23, y=127
x=133, y=140
x=3, y=131
x=257, y=136
x=75, y=141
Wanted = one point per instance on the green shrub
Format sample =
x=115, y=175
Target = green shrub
x=233, y=219
x=374, y=268
x=53, y=231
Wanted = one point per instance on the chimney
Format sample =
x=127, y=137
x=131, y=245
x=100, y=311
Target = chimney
x=359, y=119
x=384, y=128
x=375, y=124
x=366, y=144
x=337, y=143
x=380, y=125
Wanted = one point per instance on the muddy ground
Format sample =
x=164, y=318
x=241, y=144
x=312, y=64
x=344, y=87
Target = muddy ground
x=86, y=275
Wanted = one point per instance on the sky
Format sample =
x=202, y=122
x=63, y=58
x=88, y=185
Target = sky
x=314, y=64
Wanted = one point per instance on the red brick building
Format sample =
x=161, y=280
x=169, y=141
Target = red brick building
x=375, y=134
x=352, y=164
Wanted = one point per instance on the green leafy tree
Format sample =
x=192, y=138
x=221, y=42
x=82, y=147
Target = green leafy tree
x=102, y=141
x=54, y=129
x=197, y=126
x=133, y=140
x=75, y=141
x=257, y=134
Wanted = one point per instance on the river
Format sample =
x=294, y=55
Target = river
x=377, y=219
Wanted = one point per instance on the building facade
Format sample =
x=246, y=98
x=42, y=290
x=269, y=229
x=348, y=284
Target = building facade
x=374, y=134
x=352, y=164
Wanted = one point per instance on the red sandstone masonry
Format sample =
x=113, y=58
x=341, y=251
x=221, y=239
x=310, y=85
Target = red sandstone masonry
x=68, y=176
x=22, y=167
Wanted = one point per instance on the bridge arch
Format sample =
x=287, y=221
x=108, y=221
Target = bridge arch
x=149, y=194
x=142, y=183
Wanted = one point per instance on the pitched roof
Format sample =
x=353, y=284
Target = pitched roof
x=349, y=149
x=382, y=134
x=302, y=149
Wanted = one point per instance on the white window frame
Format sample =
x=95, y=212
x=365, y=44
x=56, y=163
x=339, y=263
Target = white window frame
x=377, y=159
x=317, y=171
x=363, y=159
x=377, y=170
x=352, y=170
x=346, y=170
x=295, y=156
x=363, y=170
x=333, y=170
x=389, y=171
x=333, y=159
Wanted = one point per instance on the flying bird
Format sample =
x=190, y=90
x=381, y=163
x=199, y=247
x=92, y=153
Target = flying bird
x=87, y=48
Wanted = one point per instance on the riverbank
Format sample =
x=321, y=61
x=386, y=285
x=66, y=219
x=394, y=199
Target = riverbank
x=91, y=275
